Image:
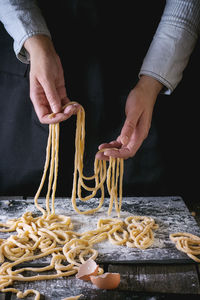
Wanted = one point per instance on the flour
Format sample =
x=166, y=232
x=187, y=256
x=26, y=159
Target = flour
x=106, y=249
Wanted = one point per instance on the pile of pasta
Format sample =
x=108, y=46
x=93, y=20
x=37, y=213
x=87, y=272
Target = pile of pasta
x=52, y=235
x=187, y=243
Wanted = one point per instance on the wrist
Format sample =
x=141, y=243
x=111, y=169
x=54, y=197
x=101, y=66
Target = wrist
x=150, y=85
x=39, y=44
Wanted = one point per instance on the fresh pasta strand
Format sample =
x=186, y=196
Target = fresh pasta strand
x=53, y=147
x=113, y=173
x=187, y=243
x=45, y=234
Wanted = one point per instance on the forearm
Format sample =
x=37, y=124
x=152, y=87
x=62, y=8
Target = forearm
x=22, y=19
x=173, y=43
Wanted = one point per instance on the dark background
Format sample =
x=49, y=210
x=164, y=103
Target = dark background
x=177, y=117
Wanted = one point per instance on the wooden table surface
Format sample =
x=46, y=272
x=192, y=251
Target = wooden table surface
x=155, y=273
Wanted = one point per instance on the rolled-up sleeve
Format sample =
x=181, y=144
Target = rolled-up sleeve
x=22, y=19
x=173, y=43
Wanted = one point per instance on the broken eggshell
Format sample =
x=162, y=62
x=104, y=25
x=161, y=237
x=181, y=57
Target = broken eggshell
x=107, y=281
x=87, y=269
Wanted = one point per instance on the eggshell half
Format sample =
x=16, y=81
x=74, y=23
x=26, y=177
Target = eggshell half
x=87, y=269
x=107, y=281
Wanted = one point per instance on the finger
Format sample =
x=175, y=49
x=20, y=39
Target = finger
x=45, y=117
x=139, y=135
x=136, y=140
x=101, y=156
x=127, y=130
x=71, y=108
x=134, y=143
x=60, y=117
x=53, y=119
x=113, y=144
x=132, y=148
x=52, y=96
x=57, y=118
x=61, y=90
x=41, y=105
x=123, y=152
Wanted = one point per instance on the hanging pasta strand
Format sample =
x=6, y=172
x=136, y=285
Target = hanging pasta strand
x=52, y=154
x=112, y=174
x=57, y=130
x=46, y=165
x=100, y=174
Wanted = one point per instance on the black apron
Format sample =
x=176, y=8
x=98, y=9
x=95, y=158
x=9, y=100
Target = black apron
x=101, y=45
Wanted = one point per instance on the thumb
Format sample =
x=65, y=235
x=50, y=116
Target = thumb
x=52, y=97
x=127, y=131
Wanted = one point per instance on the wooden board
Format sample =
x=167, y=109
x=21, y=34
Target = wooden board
x=166, y=278
x=170, y=213
x=135, y=279
x=160, y=272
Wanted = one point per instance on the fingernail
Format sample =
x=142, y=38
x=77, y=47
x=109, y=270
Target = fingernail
x=67, y=109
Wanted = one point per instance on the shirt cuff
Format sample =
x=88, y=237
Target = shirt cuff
x=22, y=20
x=168, y=55
x=19, y=49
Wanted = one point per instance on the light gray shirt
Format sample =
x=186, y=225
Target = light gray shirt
x=173, y=43
x=22, y=19
x=166, y=58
